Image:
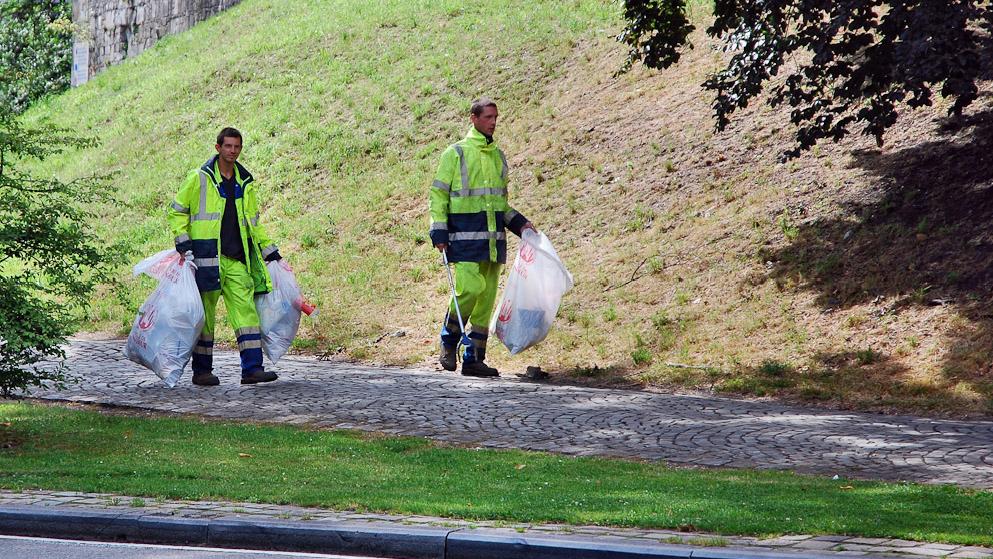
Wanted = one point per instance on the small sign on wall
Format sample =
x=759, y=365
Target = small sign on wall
x=80, y=64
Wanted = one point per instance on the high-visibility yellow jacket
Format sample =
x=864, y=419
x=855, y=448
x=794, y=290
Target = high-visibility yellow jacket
x=195, y=216
x=468, y=201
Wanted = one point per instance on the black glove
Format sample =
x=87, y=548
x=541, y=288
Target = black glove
x=184, y=246
x=273, y=256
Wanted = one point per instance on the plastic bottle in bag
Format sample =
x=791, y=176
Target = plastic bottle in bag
x=532, y=295
x=279, y=310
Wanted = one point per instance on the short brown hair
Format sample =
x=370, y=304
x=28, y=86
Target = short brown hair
x=228, y=132
x=479, y=104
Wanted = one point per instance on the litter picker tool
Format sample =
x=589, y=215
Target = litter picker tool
x=465, y=341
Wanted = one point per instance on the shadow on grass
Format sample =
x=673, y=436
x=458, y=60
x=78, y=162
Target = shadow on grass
x=923, y=238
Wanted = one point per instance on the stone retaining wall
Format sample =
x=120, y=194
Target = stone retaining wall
x=117, y=29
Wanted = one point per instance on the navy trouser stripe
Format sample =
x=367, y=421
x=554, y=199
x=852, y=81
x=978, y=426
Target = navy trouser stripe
x=202, y=363
x=251, y=360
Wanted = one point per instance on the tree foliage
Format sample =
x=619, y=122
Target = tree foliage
x=844, y=64
x=35, y=50
x=50, y=259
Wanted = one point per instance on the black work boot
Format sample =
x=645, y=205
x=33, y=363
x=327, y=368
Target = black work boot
x=448, y=357
x=478, y=369
x=256, y=377
x=205, y=379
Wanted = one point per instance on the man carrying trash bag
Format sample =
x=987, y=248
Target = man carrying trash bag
x=469, y=215
x=216, y=215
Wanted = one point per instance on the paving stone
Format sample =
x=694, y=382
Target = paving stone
x=900, y=543
x=986, y=550
x=943, y=546
x=924, y=550
x=778, y=542
x=848, y=546
x=816, y=544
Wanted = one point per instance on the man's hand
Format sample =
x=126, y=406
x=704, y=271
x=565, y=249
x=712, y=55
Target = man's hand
x=441, y=247
x=273, y=256
x=530, y=226
x=184, y=247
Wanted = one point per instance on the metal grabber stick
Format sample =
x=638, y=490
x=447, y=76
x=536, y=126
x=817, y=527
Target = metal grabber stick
x=465, y=341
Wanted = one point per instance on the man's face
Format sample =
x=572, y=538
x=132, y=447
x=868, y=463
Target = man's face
x=230, y=149
x=486, y=121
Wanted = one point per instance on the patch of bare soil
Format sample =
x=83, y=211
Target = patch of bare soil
x=9, y=438
x=853, y=277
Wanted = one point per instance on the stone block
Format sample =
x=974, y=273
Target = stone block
x=493, y=544
x=336, y=537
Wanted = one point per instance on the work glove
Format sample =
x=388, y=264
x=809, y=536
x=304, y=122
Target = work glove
x=184, y=247
x=274, y=256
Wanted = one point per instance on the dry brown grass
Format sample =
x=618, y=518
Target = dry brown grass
x=794, y=281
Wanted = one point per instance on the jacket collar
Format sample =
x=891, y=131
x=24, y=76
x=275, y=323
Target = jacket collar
x=476, y=139
x=241, y=174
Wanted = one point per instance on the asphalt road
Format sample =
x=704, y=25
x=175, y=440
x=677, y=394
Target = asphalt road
x=13, y=547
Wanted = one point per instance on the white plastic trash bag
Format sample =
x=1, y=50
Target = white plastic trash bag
x=532, y=295
x=169, y=321
x=279, y=310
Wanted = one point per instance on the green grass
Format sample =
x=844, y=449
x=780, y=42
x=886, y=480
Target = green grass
x=346, y=107
x=60, y=449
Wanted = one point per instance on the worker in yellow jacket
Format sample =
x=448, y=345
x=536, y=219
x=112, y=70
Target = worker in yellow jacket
x=469, y=218
x=216, y=216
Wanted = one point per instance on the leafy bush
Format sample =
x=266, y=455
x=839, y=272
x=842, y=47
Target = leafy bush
x=49, y=257
x=35, y=51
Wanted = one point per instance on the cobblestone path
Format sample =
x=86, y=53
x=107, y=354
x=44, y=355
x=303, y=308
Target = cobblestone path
x=507, y=413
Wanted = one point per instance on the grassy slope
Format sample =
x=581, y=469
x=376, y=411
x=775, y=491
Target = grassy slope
x=58, y=449
x=346, y=107
x=745, y=264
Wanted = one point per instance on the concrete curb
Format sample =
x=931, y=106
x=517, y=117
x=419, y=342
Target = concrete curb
x=350, y=538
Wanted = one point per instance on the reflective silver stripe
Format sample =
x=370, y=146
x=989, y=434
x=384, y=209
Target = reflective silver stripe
x=268, y=250
x=250, y=344
x=203, y=350
x=462, y=167
x=439, y=226
x=441, y=185
x=183, y=238
x=510, y=215
x=179, y=208
x=247, y=330
x=503, y=173
x=205, y=338
x=480, y=192
x=207, y=262
x=203, y=215
x=477, y=236
x=255, y=220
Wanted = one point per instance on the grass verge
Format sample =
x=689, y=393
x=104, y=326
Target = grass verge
x=46, y=447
